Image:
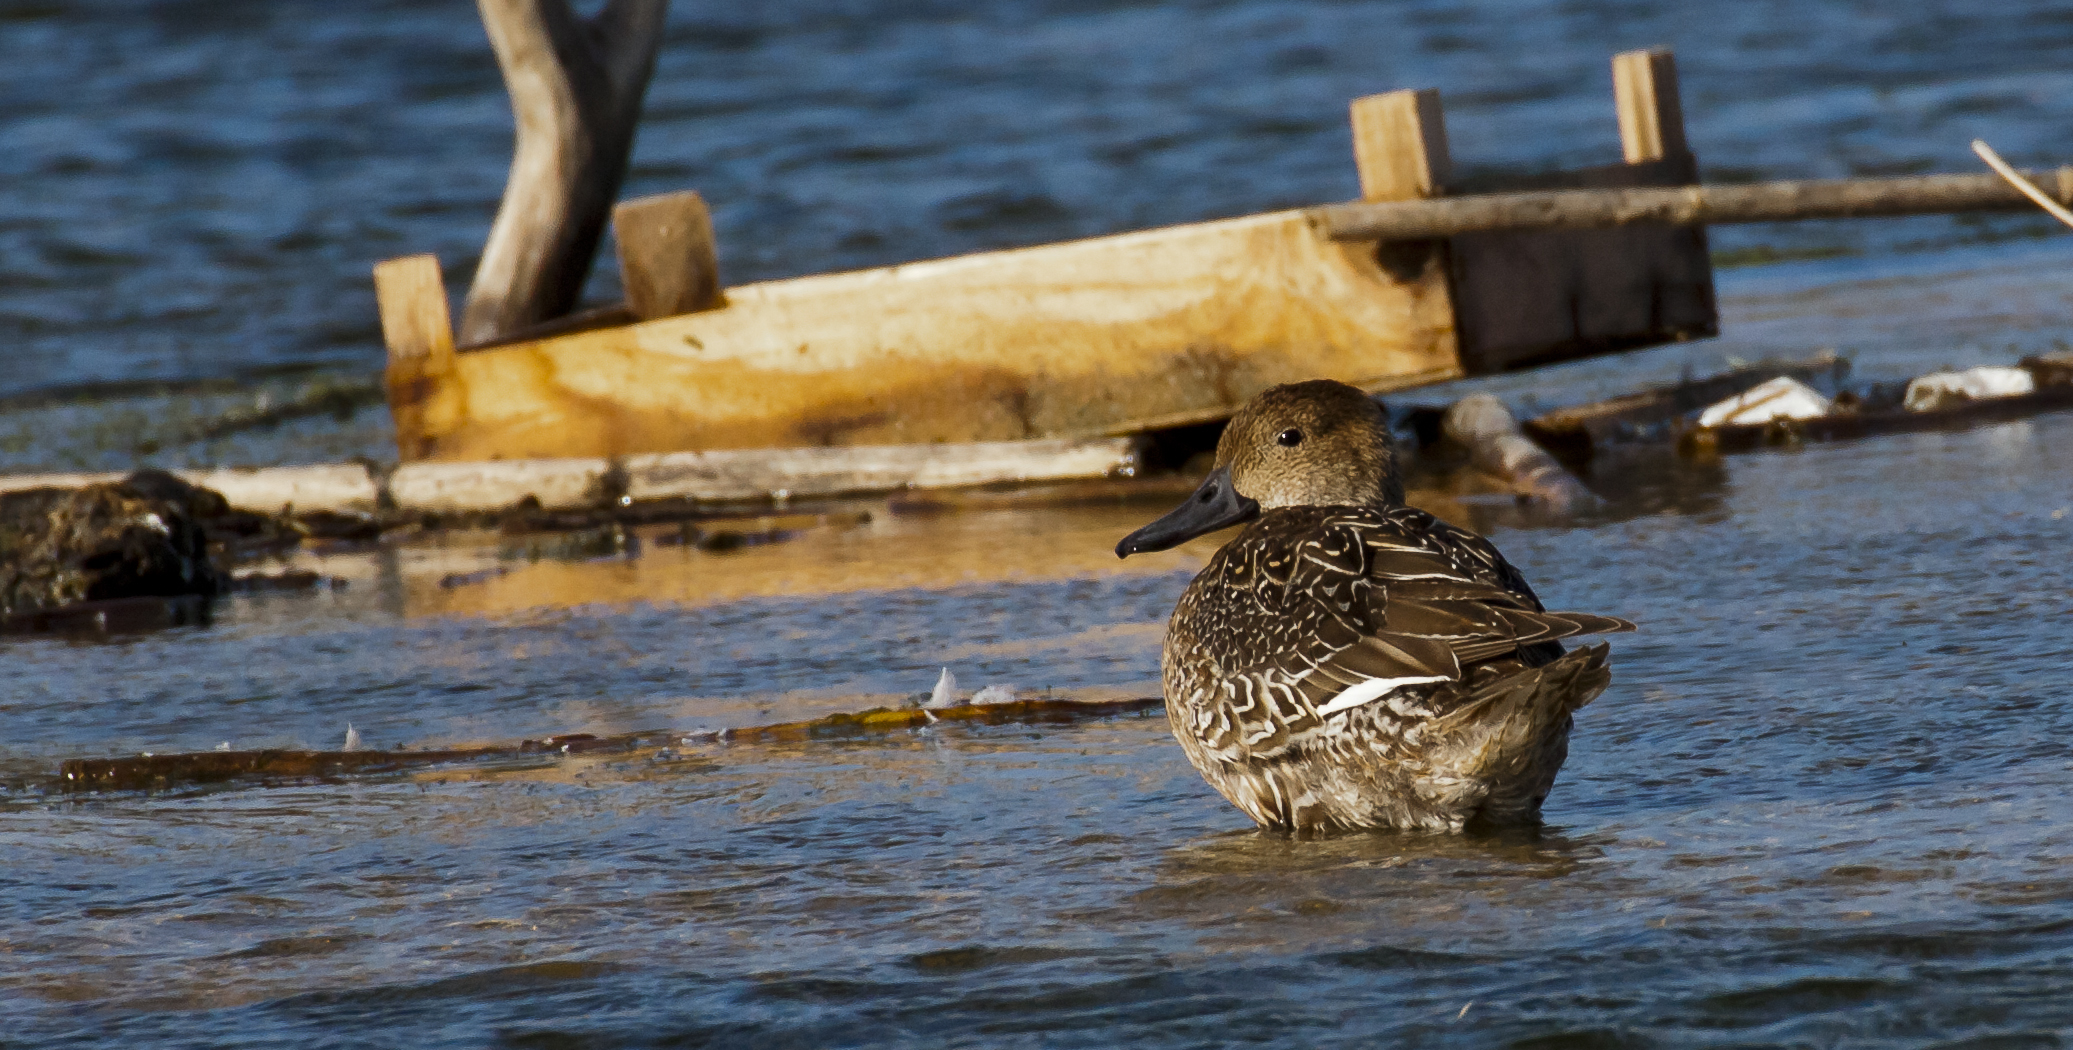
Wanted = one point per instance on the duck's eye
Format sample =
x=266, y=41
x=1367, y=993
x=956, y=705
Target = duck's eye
x=1290, y=438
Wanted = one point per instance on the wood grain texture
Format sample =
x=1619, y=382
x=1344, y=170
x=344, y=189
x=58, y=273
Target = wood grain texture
x=1082, y=339
x=411, y=294
x=749, y=474
x=667, y=258
x=1526, y=298
x=1644, y=89
x=1400, y=145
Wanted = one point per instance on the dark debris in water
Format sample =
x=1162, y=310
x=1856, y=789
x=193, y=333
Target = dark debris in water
x=157, y=772
x=142, y=537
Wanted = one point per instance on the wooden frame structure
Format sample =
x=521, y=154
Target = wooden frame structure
x=1100, y=337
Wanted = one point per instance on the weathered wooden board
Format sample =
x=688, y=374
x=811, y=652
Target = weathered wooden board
x=1525, y=298
x=1070, y=340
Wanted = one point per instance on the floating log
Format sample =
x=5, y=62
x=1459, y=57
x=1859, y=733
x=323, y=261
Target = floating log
x=1684, y=206
x=157, y=772
x=1481, y=424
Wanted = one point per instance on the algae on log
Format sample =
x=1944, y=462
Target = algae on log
x=139, y=537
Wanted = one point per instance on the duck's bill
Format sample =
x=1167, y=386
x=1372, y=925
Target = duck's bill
x=1214, y=505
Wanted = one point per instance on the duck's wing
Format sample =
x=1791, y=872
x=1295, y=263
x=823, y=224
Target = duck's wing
x=1351, y=609
x=1375, y=608
x=1438, y=599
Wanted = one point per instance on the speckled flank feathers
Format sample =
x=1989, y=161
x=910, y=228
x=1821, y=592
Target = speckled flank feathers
x=1353, y=666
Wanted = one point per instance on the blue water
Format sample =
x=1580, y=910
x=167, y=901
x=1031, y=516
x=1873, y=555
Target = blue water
x=1824, y=803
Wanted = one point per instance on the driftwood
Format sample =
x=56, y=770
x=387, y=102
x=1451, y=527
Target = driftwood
x=576, y=86
x=1482, y=425
x=1587, y=209
x=148, y=772
x=1575, y=433
x=2053, y=393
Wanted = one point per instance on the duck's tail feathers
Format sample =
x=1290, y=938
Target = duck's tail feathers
x=1512, y=734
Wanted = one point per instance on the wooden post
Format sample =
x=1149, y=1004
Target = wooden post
x=576, y=87
x=666, y=256
x=415, y=324
x=1400, y=145
x=1644, y=86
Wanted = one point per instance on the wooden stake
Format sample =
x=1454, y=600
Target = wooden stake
x=411, y=294
x=666, y=256
x=1644, y=85
x=576, y=87
x=414, y=323
x=1400, y=145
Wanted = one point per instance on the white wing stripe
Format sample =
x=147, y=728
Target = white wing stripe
x=1371, y=690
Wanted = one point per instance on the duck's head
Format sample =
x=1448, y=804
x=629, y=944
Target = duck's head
x=1315, y=444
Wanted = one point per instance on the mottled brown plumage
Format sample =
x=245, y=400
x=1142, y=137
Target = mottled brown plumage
x=1350, y=662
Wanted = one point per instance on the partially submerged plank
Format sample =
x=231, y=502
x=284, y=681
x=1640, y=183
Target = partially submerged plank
x=1075, y=340
x=750, y=474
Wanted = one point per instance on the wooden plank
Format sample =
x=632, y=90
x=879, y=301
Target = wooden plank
x=337, y=487
x=411, y=295
x=1644, y=89
x=1073, y=340
x=750, y=474
x=667, y=260
x=1526, y=298
x=416, y=326
x=1400, y=145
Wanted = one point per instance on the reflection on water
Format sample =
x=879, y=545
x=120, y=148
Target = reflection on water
x=1825, y=797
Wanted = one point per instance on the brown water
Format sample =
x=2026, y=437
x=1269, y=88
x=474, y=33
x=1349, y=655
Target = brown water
x=1825, y=802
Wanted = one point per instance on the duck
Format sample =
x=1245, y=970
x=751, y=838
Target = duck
x=1348, y=661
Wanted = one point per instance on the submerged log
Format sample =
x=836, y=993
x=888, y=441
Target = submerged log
x=576, y=86
x=150, y=772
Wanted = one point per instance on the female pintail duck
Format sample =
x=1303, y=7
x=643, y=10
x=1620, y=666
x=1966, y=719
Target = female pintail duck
x=1351, y=662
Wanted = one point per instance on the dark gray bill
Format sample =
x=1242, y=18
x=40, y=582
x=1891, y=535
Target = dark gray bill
x=1214, y=505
